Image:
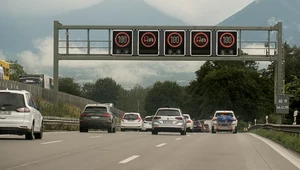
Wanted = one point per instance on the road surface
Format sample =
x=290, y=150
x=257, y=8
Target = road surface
x=142, y=151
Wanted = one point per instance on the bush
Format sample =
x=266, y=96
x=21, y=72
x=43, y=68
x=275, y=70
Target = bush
x=60, y=110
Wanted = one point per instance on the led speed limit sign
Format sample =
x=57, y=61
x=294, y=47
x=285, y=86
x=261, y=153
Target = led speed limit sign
x=227, y=43
x=122, y=42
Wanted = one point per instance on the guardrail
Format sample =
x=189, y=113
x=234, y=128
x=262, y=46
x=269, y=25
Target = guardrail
x=295, y=129
x=54, y=123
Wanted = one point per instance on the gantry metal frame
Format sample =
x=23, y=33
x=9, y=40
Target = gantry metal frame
x=278, y=57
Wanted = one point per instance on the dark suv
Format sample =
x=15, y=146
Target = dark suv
x=97, y=116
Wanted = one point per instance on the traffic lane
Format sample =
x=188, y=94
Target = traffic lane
x=212, y=151
x=20, y=151
x=88, y=155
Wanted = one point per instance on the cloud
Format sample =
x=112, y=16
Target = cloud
x=124, y=72
x=200, y=12
x=2, y=56
x=44, y=7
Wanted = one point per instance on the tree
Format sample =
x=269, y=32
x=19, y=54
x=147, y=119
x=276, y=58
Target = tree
x=163, y=94
x=230, y=85
x=15, y=70
x=68, y=85
x=104, y=90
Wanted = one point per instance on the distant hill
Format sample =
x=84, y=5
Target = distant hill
x=17, y=34
x=269, y=12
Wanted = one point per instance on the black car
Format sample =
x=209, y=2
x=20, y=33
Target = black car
x=198, y=126
x=97, y=116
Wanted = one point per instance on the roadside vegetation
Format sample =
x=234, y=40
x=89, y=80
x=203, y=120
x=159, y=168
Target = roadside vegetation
x=289, y=141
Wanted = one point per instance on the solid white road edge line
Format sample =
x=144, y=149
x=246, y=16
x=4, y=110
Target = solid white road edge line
x=160, y=145
x=57, y=141
x=129, y=159
x=282, y=151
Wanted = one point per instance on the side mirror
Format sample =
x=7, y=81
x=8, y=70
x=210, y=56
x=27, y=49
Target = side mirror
x=211, y=117
x=237, y=117
x=40, y=108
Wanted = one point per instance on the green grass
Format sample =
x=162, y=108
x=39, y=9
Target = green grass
x=289, y=141
x=60, y=110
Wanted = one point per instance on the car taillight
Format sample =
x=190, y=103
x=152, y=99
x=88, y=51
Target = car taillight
x=105, y=115
x=156, y=117
x=179, y=118
x=189, y=121
x=214, y=118
x=83, y=114
x=234, y=119
x=23, y=109
x=139, y=119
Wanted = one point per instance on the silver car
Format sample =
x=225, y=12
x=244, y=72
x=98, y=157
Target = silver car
x=168, y=120
x=224, y=120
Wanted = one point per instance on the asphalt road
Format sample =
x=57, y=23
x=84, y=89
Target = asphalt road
x=143, y=151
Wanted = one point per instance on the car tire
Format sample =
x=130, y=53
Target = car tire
x=40, y=134
x=114, y=130
x=30, y=135
x=235, y=130
x=154, y=132
x=183, y=133
x=110, y=129
x=82, y=129
x=213, y=130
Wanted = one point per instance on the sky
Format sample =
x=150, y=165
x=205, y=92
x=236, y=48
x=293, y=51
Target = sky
x=127, y=72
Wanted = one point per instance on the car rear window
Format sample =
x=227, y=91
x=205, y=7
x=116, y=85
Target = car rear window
x=148, y=119
x=11, y=101
x=224, y=114
x=131, y=116
x=186, y=117
x=168, y=113
x=96, y=109
x=196, y=123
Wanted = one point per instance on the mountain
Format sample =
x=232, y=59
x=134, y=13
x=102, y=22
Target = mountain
x=269, y=12
x=17, y=34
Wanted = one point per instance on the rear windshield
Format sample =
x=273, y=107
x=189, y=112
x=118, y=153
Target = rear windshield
x=168, y=113
x=131, y=116
x=96, y=109
x=196, y=122
x=11, y=101
x=148, y=119
x=186, y=117
x=224, y=114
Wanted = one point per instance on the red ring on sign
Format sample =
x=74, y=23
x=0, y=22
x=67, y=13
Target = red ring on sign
x=116, y=39
x=151, y=45
x=180, y=40
x=201, y=46
x=233, y=40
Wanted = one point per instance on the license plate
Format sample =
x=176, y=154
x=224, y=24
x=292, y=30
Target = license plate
x=95, y=117
x=167, y=121
x=5, y=112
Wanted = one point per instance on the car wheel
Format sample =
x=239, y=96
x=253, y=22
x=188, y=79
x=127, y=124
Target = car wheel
x=82, y=129
x=114, y=130
x=110, y=129
x=213, y=130
x=154, y=132
x=235, y=130
x=183, y=133
x=30, y=135
x=40, y=134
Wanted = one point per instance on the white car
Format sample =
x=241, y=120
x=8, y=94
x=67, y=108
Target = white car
x=19, y=114
x=189, y=123
x=224, y=120
x=131, y=121
x=147, y=125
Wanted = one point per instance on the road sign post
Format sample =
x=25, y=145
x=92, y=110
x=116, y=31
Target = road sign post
x=148, y=42
x=174, y=43
x=201, y=44
x=122, y=42
x=227, y=43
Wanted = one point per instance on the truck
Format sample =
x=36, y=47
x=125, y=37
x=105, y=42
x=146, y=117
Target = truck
x=41, y=80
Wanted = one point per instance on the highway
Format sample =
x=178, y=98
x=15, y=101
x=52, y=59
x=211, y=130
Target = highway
x=143, y=151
